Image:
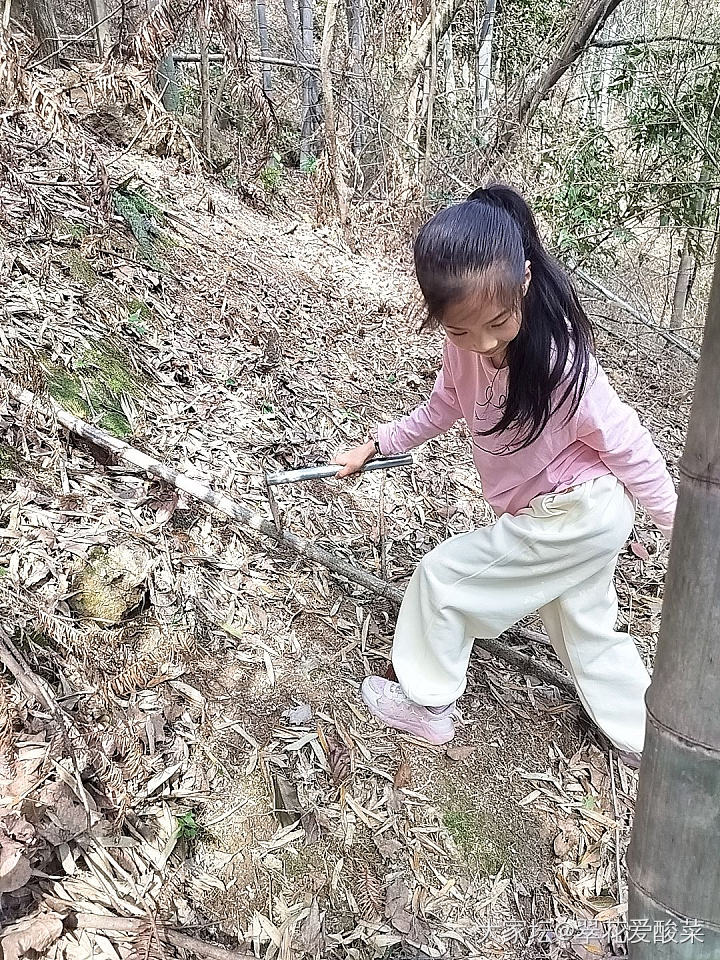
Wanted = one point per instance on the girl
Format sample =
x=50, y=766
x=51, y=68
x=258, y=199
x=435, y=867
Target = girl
x=560, y=458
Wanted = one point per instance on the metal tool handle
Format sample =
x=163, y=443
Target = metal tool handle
x=332, y=469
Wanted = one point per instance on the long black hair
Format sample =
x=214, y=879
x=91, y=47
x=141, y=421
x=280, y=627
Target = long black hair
x=488, y=239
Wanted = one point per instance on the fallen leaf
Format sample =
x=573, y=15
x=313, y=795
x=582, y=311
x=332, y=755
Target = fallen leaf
x=566, y=842
x=14, y=866
x=65, y=818
x=18, y=827
x=299, y=716
x=41, y=933
x=639, y=550
x=390, y=672
x=588, y=949
x=397, y=906
x=460, y=752
x=310, y=935
x=338, y=760
x=310, y=825
x=287, y=805
x=388, y=848
x=403, y=776
x=370, y=893
x=167, y=508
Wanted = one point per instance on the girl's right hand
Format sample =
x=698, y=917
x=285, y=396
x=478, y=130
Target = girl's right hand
x=353, y=460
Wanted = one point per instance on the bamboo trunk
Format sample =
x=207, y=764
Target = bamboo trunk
x=98, y=14
x=261, y=14
x=430, y=117
x=205, y=78
x=331, y=136
x=483, y=60
x=673, y=862
x=168, y=83
x=449, y=75
x=310, y=87
x=686, y=267
x=682, y=283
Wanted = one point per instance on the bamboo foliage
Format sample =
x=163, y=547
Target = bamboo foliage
x=673, y=867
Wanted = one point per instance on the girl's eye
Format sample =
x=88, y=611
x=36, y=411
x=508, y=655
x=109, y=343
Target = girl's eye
x=494, y=326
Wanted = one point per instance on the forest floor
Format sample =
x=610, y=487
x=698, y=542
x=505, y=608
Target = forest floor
x=262, y=808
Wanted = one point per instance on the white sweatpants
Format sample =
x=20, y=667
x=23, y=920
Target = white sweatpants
x=557, y=556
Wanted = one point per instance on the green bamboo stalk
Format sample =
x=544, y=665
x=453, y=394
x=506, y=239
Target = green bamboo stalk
x=674, y=856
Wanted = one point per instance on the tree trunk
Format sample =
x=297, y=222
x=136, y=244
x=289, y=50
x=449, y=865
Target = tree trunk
x=682, y=283
x=261, y=12
x=483, y=59
x=607, y=65
x=98, y=14
x=204, y=18
x=331, y=140
x=419, y=49
x=310, y=97
x=673, y=866
x=431, y=94
x=42, y=15
x=411, y=135
x=590, y=17
x=449, y=74
x=356, y=43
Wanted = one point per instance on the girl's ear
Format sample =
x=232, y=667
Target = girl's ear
x=528, y=277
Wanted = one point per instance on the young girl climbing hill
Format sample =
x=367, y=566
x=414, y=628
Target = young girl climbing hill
x=560, y=459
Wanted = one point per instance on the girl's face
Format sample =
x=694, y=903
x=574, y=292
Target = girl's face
x=483, y=324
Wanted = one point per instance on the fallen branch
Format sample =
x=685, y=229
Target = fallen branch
x=228, y=506
x=195, y=946
x=628, y=308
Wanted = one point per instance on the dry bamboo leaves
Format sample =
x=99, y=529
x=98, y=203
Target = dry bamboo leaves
x=256, y=361
x=35, y=935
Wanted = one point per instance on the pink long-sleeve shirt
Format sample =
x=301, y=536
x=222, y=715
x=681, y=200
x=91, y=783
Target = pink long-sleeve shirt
x=603, y=436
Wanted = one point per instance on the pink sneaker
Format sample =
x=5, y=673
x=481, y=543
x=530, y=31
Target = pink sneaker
x=386, y=702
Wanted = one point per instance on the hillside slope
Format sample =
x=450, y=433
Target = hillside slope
x=211, y=765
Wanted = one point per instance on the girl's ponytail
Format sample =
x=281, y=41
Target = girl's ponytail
x=553, y=348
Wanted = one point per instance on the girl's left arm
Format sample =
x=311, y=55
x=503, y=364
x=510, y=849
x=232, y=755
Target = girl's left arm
x=625, y=446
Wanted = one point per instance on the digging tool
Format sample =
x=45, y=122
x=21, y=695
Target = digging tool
x=324, y=472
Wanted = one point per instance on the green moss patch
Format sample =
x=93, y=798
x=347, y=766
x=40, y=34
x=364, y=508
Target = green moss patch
x=145, y=219
x=80, y=268
x=481, y=842
x=95, y=388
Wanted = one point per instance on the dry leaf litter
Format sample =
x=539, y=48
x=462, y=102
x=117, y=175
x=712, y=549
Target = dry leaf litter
x=184, y=753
